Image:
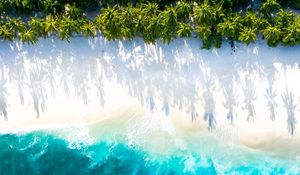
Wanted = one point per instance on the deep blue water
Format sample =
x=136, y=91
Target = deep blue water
x=44, y=153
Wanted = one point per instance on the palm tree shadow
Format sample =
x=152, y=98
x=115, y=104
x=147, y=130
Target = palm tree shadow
x=161, y=77
x=230, y=94
x=289, y=104
x=3, y=94
x=208, y=98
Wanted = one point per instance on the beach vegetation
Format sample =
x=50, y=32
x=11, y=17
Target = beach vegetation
x=210, y=20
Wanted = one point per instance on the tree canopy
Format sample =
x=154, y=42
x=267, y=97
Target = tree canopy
x=213, y=21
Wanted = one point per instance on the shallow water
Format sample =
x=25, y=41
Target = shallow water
x=73, y=151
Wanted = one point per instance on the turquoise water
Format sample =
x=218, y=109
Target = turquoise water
x=44, y=152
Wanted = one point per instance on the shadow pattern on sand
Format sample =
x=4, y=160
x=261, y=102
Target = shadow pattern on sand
x=180, y=75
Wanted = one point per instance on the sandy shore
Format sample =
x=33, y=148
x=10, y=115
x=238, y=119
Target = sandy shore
x=250, y=95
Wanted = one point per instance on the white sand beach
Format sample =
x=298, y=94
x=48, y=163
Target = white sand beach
x=250, y=95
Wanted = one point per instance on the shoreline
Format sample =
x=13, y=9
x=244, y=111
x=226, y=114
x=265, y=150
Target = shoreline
x=113, y=82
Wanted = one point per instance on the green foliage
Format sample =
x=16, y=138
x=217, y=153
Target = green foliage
x=7, y=33
x=128, y=23
x=52, y=7
x=50, y=25
x=150, y=9
x=184, y=30
x=169, y=24
x=73, y=12
x=203, y=31
x=38, y=25
x=152, y=31
x=67, y=27
x=268, y=7
x=230, y=27
x=208, y=37
x=109, y=23
x=46, y=6
x=29, y=36
x=88, y=29
x=16, y=24
x=248, y=35
x=149, y=22
x=211, y=20
x=291, y=33
x=250, y=19
x=161, y=3
x=272, y=34
x=284, y=19
x=205, y=14
x=184, y=10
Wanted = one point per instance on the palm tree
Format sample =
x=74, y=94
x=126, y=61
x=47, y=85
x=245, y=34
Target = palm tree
x=230, y=27
x=169, y=16
x=250, y=19
x=152, y=31
x=219, y=13
x=284, y=19
x=247, y=35
x=272, y=34
x=51, y=7
x=73, y=12
x=297, y=23
x=168, y=19
x=205, y=33
x=291, y=36
x=268, y=7
x=128, y=30
x=139, y=23
x=184, y=30
x=10, y=29
x=66, y=28
x=16, y=25
x=29, y=36
x=150, y=9
x=204, y=14
x=262, y=23
x=50, y=24
x=217, y=40
x=109, y=23
x=7, y=33
x=38, y=25
x=88, y=29
x=183, y=10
